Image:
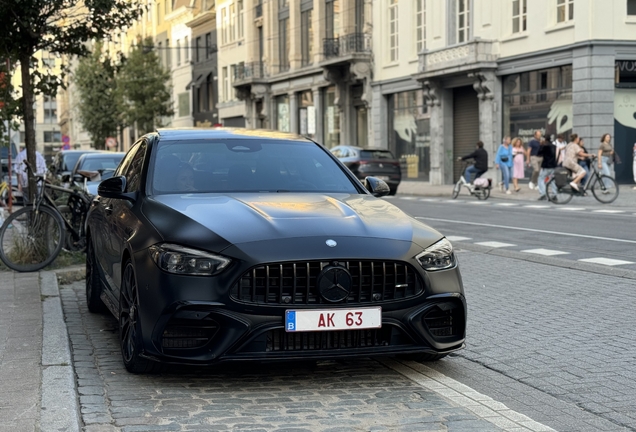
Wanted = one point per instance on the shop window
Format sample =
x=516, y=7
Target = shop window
x=519, y=15
x=331, y=118
x=282, y=113
x=565, y=10
x=306, y=113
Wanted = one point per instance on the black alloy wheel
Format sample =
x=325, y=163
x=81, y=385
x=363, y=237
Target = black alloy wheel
x=93, y=283
x=130, y=327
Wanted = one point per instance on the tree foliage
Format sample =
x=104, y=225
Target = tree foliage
x=143, y=89
x=96, y=88
x=59, y=27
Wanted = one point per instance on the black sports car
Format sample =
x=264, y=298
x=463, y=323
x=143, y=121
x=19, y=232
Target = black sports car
x=227, y=244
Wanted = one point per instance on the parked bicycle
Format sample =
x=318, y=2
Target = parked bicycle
x=480, y=187
x=603, y=187
x=33, y=236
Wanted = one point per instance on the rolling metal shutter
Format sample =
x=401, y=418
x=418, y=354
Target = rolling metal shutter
x=465, y=125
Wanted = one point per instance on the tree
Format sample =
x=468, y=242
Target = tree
x=96, y=87
x=143, y=88
x=58, y=27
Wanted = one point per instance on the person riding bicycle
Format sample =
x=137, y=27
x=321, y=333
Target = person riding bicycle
x=571, y=161
x=481, y=162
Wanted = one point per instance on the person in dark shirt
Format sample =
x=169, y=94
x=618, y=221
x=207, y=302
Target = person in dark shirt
x=481, y=162
x=547, y=151
x=534, y=159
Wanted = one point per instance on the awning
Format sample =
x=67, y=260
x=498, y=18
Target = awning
x=195, y=82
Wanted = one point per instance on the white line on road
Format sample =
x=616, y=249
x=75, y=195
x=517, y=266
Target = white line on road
x=430, y=199
x=605, y=261
x=483, y=406
x=494, y=244
x=457, y=238
x=545, y=252
x=570, y=208
x=507, y=204
x=477, y=202
x=408, y=198
x=608, y=211
x=527, y=229
x=455, y=201
x=537, y=206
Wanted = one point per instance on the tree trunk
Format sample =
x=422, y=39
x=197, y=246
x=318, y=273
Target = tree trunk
x=29, y=119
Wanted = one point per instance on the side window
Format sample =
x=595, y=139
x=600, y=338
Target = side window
x=133, y=171
x=123, y=166
x=337, y=152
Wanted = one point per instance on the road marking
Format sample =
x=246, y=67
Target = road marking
x=528, y=229
x=455, y=201
x=608, y=211
x=478, y=202
x=408, y=198
x=545, y=252
x=457, y=238
x=466, y=397
x=430, y=199
x=570, y=208
x=494, y=244
x=389, y=197
x=606, y=261
x=506, y=204
x=537, y=206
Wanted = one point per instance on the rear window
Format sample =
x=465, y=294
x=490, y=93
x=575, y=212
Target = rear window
x=376, y=154
x=69, y=161
x=236, y=165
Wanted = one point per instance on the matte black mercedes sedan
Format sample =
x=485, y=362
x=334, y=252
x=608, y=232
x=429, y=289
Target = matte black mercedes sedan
x=227, y=244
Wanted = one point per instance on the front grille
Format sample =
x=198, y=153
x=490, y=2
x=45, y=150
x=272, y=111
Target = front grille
x=280, y=340
x=295, y=282
x=188, y=334
x=445, y=320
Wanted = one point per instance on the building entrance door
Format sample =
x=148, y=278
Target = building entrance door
x=465, y=125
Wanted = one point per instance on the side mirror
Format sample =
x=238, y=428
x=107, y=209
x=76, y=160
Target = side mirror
x=115, y=187
x=377, y=187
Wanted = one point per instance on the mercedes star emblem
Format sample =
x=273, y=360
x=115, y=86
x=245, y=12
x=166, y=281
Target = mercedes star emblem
x=331, y=243
x=334, y=283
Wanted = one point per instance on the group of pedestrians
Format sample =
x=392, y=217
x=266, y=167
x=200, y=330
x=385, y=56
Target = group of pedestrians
x=545, y=156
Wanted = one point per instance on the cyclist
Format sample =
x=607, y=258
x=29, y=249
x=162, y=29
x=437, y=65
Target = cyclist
x=571, y=161
x=481, y=162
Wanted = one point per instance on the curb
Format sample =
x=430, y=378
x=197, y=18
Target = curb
x=59, y=406
x=552, y=261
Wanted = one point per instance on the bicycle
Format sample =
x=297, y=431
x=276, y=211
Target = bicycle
x=482, y=192
x=603, y=187
x=33, y=236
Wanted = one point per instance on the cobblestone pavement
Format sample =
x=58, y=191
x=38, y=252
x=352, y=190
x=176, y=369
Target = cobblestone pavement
x=363, y=395
x=555, y=344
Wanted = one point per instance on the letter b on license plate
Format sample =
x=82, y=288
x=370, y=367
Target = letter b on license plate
x=333, y=319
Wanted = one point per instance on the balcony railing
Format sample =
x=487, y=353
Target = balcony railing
x=247, y=71
x=347, y=44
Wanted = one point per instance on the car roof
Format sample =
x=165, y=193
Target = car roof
x=100, y=154
x=178, y=134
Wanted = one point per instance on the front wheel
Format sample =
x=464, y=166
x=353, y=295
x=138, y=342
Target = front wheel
x=605, y=189
x=482, y=193
x=556, y=194
x=457, y=188
x=130, y=326
x=30, y=240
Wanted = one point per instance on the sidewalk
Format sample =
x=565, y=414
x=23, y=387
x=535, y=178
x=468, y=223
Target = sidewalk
x=626, y=195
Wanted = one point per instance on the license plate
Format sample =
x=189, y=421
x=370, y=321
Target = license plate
x=385, y=178
x=333, y=319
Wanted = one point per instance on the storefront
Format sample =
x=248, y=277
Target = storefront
x=282, y=113
x=409, y=133
x=624, y=118
x=306, y=114
x=331, y=118
x=538, y=100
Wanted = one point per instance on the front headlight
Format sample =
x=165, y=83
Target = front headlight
x=185, y=261
x=439, y=256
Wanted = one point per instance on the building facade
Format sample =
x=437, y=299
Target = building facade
x=448, y=73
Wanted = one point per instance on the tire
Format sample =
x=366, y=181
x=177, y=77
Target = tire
x=422, y=357
x=562, y=195
x=393, y=191
x=93, y=282
x=483, y=193
x=30, y=240
x=456, y=189
x=130, y=339
x=605, y=190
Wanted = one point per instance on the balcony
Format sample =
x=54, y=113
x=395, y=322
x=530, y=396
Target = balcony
x=247, y=72
x=346, y=45
x=473, y=55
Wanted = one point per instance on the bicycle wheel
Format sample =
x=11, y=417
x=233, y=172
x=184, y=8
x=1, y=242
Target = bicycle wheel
x=482, y=193
x=605, y=189
x=556, y=194
x=30, y=240
x=456, y=189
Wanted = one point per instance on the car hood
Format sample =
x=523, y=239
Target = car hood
x=245, y=217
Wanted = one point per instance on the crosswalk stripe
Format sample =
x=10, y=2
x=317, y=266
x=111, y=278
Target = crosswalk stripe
x=545, y=252
x=506, y=204
x=495, y=244
x=457, y=238
x=477, y=202
x=608, y=211
x=537, y=206
x=571, y=208
x=605, y=261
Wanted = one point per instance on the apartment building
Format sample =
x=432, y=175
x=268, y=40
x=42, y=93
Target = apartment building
x=306, y=68
x=450, y=72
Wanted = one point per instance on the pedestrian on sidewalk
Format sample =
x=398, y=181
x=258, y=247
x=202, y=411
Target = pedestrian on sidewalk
x=533, y=158
x=503, y=161
x=518, y=159
x=605, y=155
x=548, y=152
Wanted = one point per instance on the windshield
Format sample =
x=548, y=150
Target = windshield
x=100, y=163
x=69, y=161
x=237, y=165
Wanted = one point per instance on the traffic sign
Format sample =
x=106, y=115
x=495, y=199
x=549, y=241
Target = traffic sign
x=111, y=142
